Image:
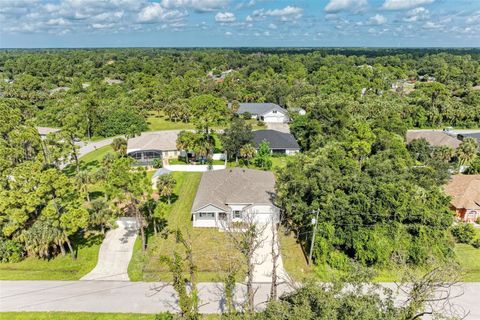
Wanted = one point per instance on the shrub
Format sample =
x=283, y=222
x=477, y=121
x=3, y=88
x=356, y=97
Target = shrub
x=10, y=251
x=247, y=115
x=476, y=243
x=339, y=260
x=260, y=123
x=164, y=316
x=157, y=163
x=463, y=233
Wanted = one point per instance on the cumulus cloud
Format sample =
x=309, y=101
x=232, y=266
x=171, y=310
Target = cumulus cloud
x=417, y=14
x=197, y=5
x=225, y=17
x=377, y=19
x=155, y=13
x=345, y=5
x=404, y=4
x=288, y=13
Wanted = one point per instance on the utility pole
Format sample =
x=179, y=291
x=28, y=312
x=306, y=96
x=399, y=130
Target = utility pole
x=314, y=223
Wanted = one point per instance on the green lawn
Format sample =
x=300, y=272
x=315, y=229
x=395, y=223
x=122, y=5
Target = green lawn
x=94, y=158
x=58, y=268
x=159, y=122
x=209, y=245
x=83, y=316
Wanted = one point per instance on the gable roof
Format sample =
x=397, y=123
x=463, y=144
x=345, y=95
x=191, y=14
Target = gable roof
x=276, y=139
x=162, y=140
x=465, y=191
x=260, y=108
x=435, y=138
x=234, y=186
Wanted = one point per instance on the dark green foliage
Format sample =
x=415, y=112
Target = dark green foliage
x=236, y=136
x=464, y=232
x=157, y=163
x=10, y=251
x=119, y=121
x=263, y=157
x=476, y=243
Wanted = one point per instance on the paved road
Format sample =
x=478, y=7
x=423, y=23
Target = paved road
x=87, y=147
x=115, y=252
x=148, y=297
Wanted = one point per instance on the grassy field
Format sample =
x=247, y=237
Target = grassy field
x=94, y=158
x=294, y=261
x=209, y=245
x=58, y=268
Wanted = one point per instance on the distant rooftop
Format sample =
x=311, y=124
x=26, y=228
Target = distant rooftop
x=43, y=131
x=276, y=139
x=162, y=140
x=434, y=137
x=259, y=108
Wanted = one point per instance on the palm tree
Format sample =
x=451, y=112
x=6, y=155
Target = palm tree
x=119, y=145
x=444, y=153
x=467, y=151
x=83, y=178
x=165, y=185
x=248, y=152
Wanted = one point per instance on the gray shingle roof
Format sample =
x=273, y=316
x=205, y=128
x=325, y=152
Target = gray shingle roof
x=234, y=186
x=162, y=140
x=260, y=108
x=276, y=139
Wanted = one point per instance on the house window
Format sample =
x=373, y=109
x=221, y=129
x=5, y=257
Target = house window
x=206, y=215
x=237, y=214
x=274, y=111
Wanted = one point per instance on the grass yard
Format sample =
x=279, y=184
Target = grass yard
x=91, y=161
x=209, y=245
x=294, y=260
x=160, y=122
x=83, y=316
x=58, y=268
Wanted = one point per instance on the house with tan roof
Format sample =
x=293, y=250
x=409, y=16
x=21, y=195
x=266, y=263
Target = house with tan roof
x=153, y=145
x=465, y=193
x=231, y=195
x=436, y=138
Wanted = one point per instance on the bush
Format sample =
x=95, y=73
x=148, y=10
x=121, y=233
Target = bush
x=164, y=316
x=339, y=260
x=157, y=163
x=247, y=115
x=463, y=233
x=260, y=123
x=10, y=251
x=476, y=243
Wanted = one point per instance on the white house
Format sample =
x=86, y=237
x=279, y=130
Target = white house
x=230, y=195
x=266, y=112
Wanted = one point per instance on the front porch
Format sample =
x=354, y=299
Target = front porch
x=215, y=219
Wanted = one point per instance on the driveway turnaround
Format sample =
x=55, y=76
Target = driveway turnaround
x=115, y=252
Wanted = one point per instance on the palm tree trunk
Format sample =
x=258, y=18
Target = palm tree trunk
x=72, y=253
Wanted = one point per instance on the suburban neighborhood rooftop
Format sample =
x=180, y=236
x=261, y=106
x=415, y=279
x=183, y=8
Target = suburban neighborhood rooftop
x=259, y=108
x=434, y=137
x=234, y=186
x=465, y=191
x=276, y=139
x=165, y=140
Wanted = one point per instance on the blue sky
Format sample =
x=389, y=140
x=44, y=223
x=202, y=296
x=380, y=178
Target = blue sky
x=235, y=23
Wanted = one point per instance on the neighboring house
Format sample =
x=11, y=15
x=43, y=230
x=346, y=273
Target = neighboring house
x=266, y=112
x=230, y=195
x=280, y=142
x=434, y=137
x=465, y=193
x=153, y=145
x=44, y=131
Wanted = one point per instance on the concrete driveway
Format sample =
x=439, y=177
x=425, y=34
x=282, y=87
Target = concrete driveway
x=263, y=258
x=282, y=127
x=115, y=252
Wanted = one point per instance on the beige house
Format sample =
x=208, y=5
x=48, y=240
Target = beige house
x=436, y=138
x=465, y=193
x=153, y=145
x=230, y=195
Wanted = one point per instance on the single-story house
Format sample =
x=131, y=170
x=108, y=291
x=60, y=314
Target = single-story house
x=280, y=142
x=153, y=145
x=465, y=193
x=44, y=131
x=231, y=195
x=436, y=138
x=266, y=112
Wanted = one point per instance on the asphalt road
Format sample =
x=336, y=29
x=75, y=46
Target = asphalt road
x=149, y=297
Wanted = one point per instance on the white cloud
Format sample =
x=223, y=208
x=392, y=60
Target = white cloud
x=404, y=4
x=430, y=25
x=102, y=25
x=228, y=33
x=154, y=12
x=197, y=5
x=225, y=17
x=288, y=13
x=378, y=19
x=417, y=14
x=345, y=5
x=474, y=18
x=58, y=22
x=272, y=26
